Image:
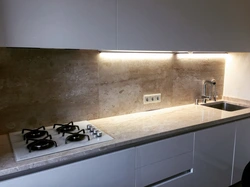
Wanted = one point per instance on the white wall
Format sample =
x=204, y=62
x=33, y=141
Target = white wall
x=237, y=76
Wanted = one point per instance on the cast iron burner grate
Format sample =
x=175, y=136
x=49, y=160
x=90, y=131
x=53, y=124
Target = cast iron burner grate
x=74, y=137
x=66, y=127
x=34, y=133
x=41, y=144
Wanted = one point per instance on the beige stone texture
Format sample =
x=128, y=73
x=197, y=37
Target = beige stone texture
x=47, y=86
x=189, y=75
x=125, y=81
x=42, y=87
x=128, y=131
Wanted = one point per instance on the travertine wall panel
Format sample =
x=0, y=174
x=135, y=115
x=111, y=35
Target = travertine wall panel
x=47, y=86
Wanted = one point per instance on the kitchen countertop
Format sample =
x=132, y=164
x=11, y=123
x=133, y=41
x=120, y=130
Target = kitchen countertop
x=128, y=131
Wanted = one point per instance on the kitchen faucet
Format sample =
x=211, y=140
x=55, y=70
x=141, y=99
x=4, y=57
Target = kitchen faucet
x=212, y=93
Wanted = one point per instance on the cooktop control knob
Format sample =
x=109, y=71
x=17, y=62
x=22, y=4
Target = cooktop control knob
x=89, y=126
x=95, y=131
x=92, y=129
x=99, y=134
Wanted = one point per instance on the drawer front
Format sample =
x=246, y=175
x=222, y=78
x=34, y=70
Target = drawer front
x=184, y=180
x=163, y=170
x=163, y=149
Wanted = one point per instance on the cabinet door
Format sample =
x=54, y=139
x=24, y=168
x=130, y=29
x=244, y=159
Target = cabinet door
x=115, y=169
x=242, y=149
x=161, y=172
x=155, y=152
x=194, y=25
x=213, y=156
x=88, y=24
x=1, y=26
x=180, y=181
x=165, y=162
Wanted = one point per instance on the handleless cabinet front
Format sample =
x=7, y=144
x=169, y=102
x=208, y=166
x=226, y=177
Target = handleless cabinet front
x=114, y=169
x=179, y=25
x=2, y=33
x=72, y=24
x=164, y=162
x=242, y=149
x=213, y=156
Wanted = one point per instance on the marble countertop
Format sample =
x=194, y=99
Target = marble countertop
x=128, y=131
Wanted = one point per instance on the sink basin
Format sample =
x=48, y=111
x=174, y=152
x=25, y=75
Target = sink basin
x=223, y=105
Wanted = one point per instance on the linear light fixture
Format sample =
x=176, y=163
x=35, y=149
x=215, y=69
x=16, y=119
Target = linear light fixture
x=136, y=54
x=199, y=55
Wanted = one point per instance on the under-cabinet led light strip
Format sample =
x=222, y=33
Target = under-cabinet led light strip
x=202, y=55
x=136, y=55
x=159, y=55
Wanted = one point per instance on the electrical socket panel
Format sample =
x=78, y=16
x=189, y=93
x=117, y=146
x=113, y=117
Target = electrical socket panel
x=152, y=98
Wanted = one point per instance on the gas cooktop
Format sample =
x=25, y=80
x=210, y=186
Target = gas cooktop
x=32, y=143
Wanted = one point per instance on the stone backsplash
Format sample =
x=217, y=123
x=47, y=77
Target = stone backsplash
x=47, y=86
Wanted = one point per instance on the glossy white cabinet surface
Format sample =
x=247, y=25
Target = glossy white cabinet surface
x=79, y=24
x=194, y=25
x=164, y=149
x=153, y=173
x=242, y=149
x=160, y=161
x=114, y=169
x=182, y=181
x=213, y=156
x=2, y=33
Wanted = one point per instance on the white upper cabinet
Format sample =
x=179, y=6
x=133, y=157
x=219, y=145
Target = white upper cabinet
x=194, y=25
x=161, y=25
x=80, y=24
x=1, y=26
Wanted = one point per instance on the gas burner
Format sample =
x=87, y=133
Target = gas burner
x=74, y=137
x=56, y=141
x=41, y=144
x=66, y=127
x=34, y=133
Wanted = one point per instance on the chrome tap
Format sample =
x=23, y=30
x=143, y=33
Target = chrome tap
x=212, y=94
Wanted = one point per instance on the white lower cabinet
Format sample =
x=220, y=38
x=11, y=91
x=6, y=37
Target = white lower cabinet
x=162, y=163
x=242, y=149
x=183, y=180
x=206, y=158
x=213, y=156
x=110, y=170
x=166, y=162
x=166, y=172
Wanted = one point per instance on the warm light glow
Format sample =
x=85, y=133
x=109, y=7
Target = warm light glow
x=203, y=55
x=229, y=59
x=120, y=55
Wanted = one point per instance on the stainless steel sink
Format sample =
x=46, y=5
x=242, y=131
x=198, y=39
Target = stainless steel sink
x=223, y=105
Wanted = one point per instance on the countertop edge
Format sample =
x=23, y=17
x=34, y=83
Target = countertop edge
x=116, y=146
